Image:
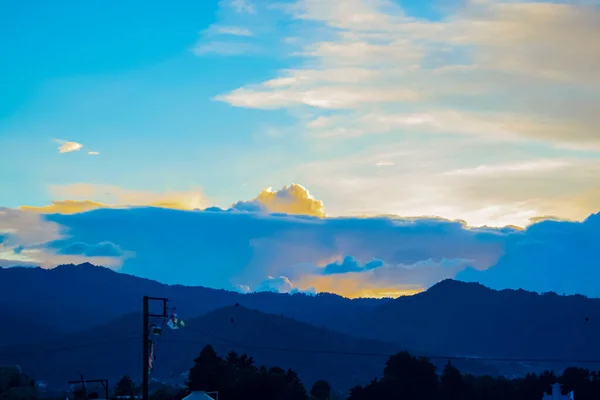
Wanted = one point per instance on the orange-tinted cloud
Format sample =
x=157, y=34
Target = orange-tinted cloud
x=354, y=286
x=292, y=199
x=65, y=207
x=114, y=196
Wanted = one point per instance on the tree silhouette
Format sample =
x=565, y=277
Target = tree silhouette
x=126, y=387
x=296, y=389
x=321, y=390
x=452, y=384
x=409, y=378
x=207, y=372
x=236, y=377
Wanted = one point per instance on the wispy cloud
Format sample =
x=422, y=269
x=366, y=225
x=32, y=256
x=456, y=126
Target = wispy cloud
x=67, y=146
x=522, y=167
x=229, y=30
x=481, y=183
x=370, y=55
x=109, y=196
x=93, y=153
x=240, y=6
x=224, y=48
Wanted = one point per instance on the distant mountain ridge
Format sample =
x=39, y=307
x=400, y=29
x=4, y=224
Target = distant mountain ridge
x=112, y=350
x=451, y=318
x=454, y=317
x=76, y=297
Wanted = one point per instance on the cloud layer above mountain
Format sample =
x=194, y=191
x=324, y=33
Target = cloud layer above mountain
x=255, y=246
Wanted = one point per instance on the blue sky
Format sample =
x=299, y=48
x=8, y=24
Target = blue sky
x=482, y=111
x=194, y=96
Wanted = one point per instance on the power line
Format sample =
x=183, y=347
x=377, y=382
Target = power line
x=366, y=354
x=234, y=344
x=305, y=350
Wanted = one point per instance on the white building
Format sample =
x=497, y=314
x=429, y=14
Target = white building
x=199, y=395
x=557, y=395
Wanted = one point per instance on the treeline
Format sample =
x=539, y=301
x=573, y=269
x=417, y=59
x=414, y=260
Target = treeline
x=404, y=376
x=412, y=378
x=15, y=385
x=236, y=377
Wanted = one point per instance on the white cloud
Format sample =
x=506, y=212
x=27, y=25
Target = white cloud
x=27, y=229
x=240, y=6
x=481, y=183
x=540, y=165
x=529, y=65
x=320, y=97
x=230, y=30
x=224, y=48
x=67, y=147
x=93, y=153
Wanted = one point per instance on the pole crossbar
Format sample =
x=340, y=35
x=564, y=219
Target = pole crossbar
x=146, y=341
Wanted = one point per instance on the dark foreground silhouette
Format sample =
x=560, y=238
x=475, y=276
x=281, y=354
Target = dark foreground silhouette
x=236, y=376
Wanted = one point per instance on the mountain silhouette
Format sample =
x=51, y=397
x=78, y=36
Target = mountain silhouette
x=113, y=349
x=72, y=298
x=77, y=307
x=454, y=317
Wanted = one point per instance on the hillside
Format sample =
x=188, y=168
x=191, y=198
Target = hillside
x=84, y=296
x=451, y=318
x=18, y=329
x=113, y=349
x=454, y=317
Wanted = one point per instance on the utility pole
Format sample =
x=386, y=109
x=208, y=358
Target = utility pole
x=146, y=342
x=103, y=382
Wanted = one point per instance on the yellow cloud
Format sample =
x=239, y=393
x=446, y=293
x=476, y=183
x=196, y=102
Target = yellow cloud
x=292, y=199
x=114, y=196
x=67, y=147
x=65, y=207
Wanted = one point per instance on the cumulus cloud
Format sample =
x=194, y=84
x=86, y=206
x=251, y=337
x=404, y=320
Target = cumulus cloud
x=280, y=243
x=66, y=146
x=281, y=284
x=559, y=256
x=248, y=248
x=349, y=264
x=292, y=199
